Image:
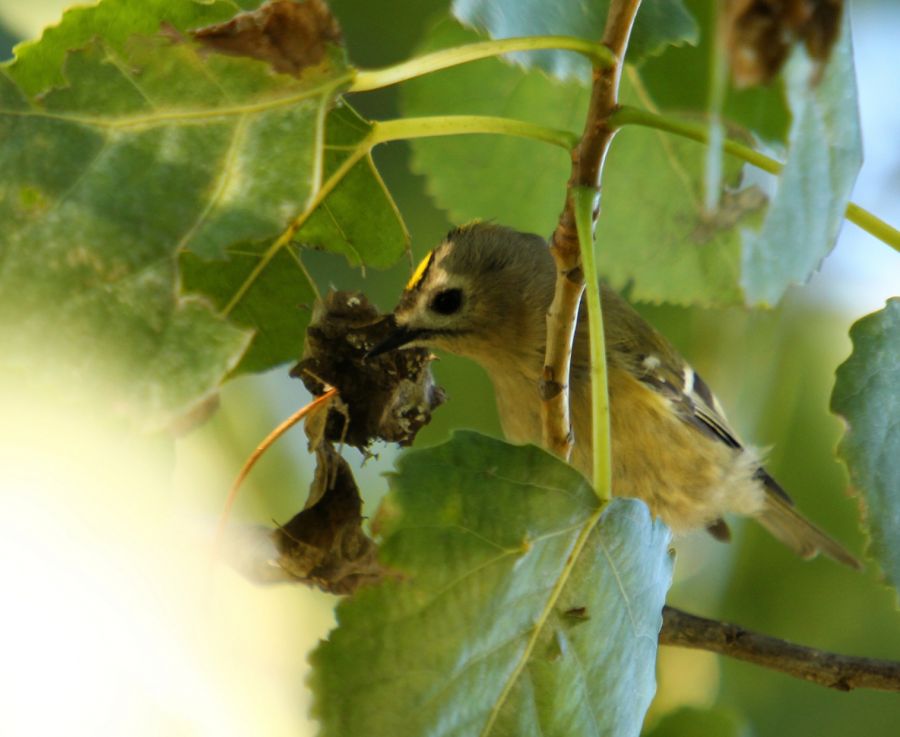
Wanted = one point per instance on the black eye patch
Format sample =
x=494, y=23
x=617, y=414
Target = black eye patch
x=447, y=301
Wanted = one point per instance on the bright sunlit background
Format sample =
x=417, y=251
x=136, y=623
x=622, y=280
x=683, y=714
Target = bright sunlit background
x=113, y=623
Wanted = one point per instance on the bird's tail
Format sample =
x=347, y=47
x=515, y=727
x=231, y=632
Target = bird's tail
x=783, y=521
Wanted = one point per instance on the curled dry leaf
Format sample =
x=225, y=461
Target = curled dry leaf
x=761, y=33
x=389, y=397
x=324, y=545
x=291, y=36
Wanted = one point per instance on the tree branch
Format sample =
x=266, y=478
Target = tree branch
x=841, y=672
x=587, y=165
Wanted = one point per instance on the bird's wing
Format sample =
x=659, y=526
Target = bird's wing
x=696, y=405
x=689, y=395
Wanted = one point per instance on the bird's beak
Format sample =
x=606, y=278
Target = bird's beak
x=399, y=336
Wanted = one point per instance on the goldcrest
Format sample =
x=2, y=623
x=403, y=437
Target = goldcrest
x=484, y=293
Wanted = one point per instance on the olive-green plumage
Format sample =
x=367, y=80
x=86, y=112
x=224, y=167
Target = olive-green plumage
x=484, y=293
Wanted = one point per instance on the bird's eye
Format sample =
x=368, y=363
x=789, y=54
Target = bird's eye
x=447, y=302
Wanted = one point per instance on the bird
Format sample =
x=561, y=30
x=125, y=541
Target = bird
x=484, y=293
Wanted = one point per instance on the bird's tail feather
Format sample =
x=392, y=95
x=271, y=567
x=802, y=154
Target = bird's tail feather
x=783, y=521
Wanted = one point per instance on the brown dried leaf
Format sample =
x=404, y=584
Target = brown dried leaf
x=324, y=545
x=389, y=397
x=291, y=36
x=761, y=33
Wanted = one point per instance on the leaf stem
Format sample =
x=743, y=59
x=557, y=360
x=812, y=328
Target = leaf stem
x=866, y=220
x=583, y=199
x=627, y=115
x=449, y=125
x=373, y=79
x=873, y=225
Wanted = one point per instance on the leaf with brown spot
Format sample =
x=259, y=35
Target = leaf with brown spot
x=291, y=36
x=761, y=33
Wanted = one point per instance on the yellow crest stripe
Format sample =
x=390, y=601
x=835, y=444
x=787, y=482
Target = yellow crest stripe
x=419, y=272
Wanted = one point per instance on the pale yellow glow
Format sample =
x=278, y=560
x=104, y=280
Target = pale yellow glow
x=28, y=18
x=110, y=623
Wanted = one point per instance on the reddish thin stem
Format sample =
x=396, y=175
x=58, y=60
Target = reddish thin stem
x=255, y=456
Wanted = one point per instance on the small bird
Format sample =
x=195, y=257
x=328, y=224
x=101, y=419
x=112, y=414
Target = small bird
x=484, y=293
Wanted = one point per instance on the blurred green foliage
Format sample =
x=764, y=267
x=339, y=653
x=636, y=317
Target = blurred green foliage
x=773, y=371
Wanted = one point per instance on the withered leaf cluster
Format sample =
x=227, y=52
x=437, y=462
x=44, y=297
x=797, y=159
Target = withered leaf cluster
x=389, y=397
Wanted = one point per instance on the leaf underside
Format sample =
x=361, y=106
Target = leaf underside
x=867, y=395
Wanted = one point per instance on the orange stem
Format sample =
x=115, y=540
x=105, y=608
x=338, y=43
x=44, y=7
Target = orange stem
x=255, y=456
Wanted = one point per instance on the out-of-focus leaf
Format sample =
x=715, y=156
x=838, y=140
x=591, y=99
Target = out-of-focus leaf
x=652, y=229
x=760, y=34
x=824, y=157
x=693, y=722
x=659, y=24
x=268, y=290
x=521, y=606
x=680, y=78
x=867, y=395
x=123, y=142
x=276, y=306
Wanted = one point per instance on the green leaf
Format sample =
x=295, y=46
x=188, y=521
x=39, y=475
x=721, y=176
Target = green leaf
x=824, y=157
x=521, y=606
x=659, y=24
x=359, y=219
x=277, y=306
x=518, y=182
x=122, y=144
x=651, y=231
x=867, y=395
x=267, y=289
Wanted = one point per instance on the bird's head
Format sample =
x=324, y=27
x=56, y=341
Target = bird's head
x=482, y=293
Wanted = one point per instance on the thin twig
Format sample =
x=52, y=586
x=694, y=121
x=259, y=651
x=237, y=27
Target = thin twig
x=841, y=672
x=587, y=164
x=256, y=455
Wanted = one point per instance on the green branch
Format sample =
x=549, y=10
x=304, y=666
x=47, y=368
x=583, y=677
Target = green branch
x=584, y=199
x=866, y=220
x=373, y=79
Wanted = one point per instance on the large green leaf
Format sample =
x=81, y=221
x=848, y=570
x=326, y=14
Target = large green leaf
x=824, y=157
x=867, y=395
x=652, y=229
x=659, y=24
x=123, y=143
x=517, y=182
x=521, y=606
